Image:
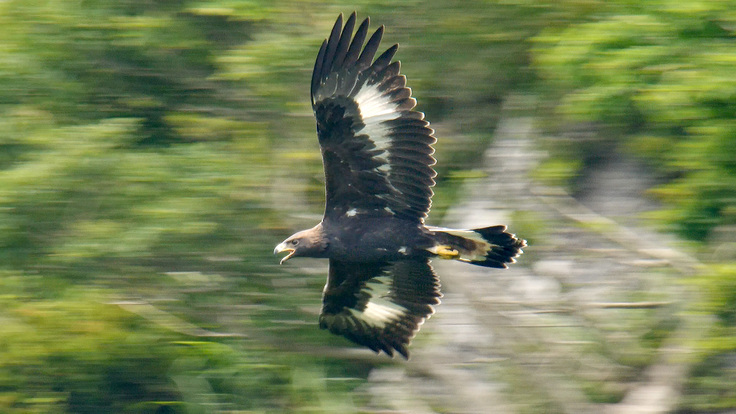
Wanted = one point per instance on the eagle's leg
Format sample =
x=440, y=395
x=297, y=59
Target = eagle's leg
x=444, y=251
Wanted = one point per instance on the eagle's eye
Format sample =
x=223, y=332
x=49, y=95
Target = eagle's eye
x=295, y=242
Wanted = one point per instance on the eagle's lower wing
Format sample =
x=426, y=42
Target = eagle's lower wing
x=377, y=151
x=379, y=305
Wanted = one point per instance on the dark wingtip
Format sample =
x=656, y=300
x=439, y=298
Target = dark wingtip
x=403, y=351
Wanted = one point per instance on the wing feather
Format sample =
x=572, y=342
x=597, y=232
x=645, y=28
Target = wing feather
x=380, y=305
x=332, y=42
x=317, y=74
x=383, y=62
x=354, y=51
x=344, y=43
x=370, y=49
x=377, y=151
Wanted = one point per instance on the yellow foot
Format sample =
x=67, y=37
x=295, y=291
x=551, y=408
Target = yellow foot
x=445, y=252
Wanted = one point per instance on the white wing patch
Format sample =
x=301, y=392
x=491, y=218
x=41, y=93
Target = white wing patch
x=379, y=311
x=352, y=212
x=376, y=108
x=374, y=104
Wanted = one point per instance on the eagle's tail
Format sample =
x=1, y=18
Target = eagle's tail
x=489, y=246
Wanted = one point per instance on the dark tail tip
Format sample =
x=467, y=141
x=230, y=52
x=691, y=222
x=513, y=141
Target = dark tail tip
x=505, y=247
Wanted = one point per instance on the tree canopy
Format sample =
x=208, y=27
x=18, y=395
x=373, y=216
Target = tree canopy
x=151, y=153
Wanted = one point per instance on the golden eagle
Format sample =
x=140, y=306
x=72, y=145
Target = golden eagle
x=377, y=155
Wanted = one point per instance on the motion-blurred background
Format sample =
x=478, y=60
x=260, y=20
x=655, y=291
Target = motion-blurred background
x=152, y=153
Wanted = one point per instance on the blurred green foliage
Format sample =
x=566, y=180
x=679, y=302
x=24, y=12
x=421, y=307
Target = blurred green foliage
x=155, y=151
x=656, y=79
x=709, y=385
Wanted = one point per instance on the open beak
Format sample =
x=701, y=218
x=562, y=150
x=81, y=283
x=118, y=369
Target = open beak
x=283, y=247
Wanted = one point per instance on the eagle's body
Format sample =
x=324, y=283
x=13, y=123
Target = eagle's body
x=377, y=154
x=353, y=239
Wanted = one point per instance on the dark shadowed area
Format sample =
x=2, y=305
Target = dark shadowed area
x=152, y=154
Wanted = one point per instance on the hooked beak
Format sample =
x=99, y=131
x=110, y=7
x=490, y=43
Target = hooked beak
x=283, y=247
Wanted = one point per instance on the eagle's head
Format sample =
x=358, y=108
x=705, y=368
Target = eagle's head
x=306, y=243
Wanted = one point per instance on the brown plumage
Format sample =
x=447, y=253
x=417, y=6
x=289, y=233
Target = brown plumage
x=377, y=155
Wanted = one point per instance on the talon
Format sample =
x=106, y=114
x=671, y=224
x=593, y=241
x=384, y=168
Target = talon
x=445, y=252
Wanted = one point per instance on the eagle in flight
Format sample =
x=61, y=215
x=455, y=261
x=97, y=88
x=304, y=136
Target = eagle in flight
x=377, y=156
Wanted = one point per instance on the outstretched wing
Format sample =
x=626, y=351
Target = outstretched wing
x=379, y=305
x=377, y=151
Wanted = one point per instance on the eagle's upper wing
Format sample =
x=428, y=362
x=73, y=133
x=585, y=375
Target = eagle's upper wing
x=376, y=150
x=379, y=305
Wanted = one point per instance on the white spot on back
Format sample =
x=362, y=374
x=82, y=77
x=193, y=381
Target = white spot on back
x=351, y=212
